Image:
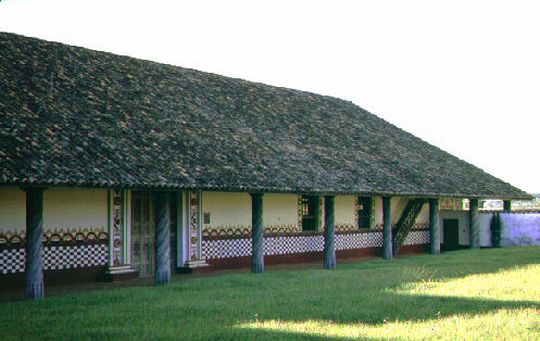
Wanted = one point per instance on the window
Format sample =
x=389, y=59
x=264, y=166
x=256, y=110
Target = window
x=364, y=212
x=310, y=212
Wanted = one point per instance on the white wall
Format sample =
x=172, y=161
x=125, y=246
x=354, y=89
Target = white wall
x=484, y=222
x=344, y=210
x=397, y=205
x=63, y=208
x=463, y=217
x=12, y=209
x=280, y=209
x=74, y=208
x=227, y=209
x=234, y=209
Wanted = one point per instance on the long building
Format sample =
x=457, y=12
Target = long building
x=114, y=167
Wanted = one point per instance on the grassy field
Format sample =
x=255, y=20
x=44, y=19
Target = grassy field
x=487, y=294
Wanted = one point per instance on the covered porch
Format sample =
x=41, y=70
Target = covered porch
x=157, y=233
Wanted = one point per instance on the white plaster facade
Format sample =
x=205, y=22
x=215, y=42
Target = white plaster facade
x=12, y=209
x=345, y=207
x=63, y=208
x=397, y=205
x=463, y=218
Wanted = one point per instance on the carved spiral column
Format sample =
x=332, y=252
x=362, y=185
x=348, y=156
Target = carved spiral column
x=163, y=239
x=474, y=228
x=257, y=238
x=387, y=228
x=34, y=244
x=434, y=233
x=329, y=233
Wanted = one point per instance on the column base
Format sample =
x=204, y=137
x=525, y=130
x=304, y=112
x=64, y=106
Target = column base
x=120, y=273
x=330, y=262
x=163, y=277
x=35, y=291
x=193, y=265
x=257, y=268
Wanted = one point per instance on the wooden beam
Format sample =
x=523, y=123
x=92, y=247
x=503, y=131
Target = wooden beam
x=329, y=233
x=34, y=243
x=387, y=228
x=257, y=234
x=434, y=232
x=163, y=238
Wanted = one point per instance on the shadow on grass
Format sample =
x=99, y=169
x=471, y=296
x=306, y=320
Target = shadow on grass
x=214, y=307
x=387, y=307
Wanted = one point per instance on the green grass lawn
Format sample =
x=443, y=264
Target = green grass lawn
x=493, y=294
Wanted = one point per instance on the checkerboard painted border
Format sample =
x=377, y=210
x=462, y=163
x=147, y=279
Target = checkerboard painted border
x=280, y=245
x=417, y=238
x=56, y=257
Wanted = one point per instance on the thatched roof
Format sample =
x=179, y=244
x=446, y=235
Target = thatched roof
x=76, y=117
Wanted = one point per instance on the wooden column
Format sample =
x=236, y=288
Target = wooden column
x=387, y=228
x=507, y=206
x=329, y=233
x=163, y=239
x=474, y=229
x=34, y=243
x=257, y=237
x=434, y=233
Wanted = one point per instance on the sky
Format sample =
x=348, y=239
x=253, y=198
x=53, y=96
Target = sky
x=463, y=75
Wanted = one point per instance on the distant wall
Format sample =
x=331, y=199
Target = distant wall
x=519, y=229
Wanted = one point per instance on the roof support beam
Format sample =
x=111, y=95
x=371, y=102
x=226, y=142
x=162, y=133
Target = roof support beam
x=329, y=233
x=434, y=233
x=387, y=228
x=474, y=228
x=163, y=238
x=257, y=235
x=34, y=243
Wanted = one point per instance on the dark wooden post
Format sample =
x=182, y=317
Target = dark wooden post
x=507, y=206
x=34, y=243
x=257, y=234
x=474, y=229
x=163, y=239
x=387, y=228
x=435, y=240
x=329, y=233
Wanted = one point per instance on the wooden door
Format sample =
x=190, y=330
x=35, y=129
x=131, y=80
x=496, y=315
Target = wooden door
x=143, y=231
x=450, y=234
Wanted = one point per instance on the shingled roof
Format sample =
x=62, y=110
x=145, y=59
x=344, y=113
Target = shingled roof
x=72, y=116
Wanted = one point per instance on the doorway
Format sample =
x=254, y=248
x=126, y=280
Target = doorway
x=450, y=234
x=143, y=231
x=310, y=212
x=364, y=212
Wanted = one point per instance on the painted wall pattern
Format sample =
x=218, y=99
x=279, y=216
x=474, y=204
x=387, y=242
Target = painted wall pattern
x=117, y=226
x=63, y=249
x=301, y=243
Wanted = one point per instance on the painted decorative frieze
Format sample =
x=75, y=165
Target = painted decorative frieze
x=63, y=249
x=279, y=245
x=245, y=231
x=117, y=227
x=69, y=236
x=195, y=232
x=451, y=204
